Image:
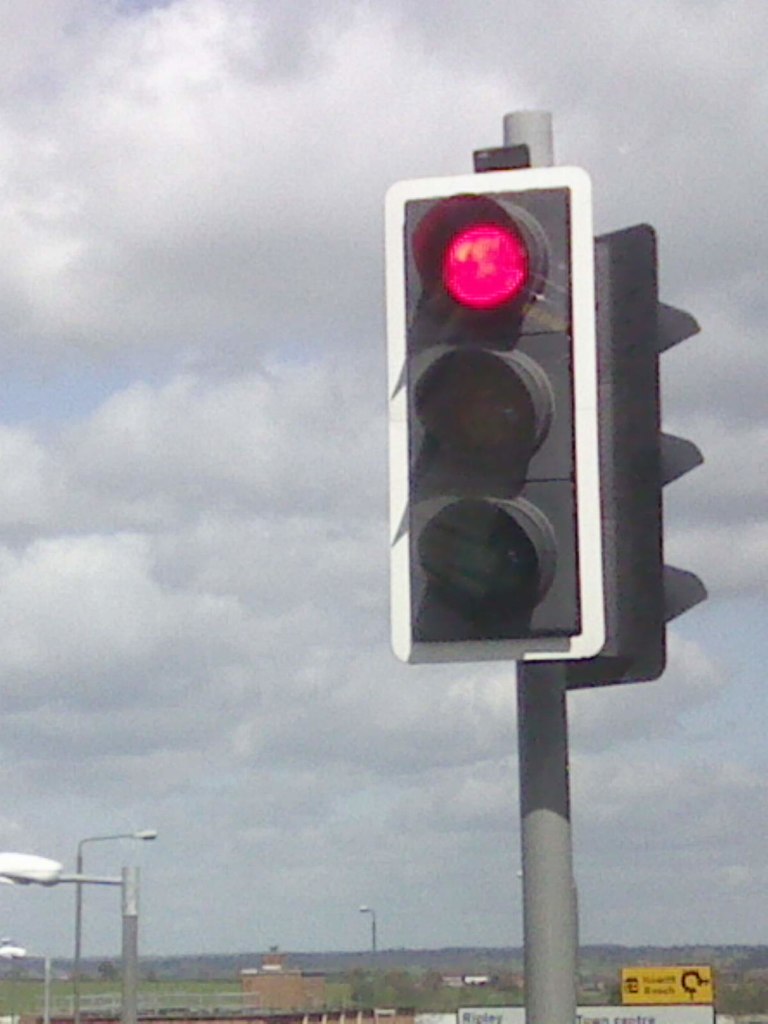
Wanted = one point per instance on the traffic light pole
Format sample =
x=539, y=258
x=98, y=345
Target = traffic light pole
x=523, y=368
x=550, y=920
x=549, y=894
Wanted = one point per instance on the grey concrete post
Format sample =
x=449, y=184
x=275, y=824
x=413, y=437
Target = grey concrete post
x=46, y=990
x=534, y=128
x=549, y=904
x=130, y=892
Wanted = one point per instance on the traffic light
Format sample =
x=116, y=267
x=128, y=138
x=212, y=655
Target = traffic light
x=494, y=468
x=637, y=460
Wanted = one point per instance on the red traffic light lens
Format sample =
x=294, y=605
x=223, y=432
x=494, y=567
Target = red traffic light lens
x=485, y=265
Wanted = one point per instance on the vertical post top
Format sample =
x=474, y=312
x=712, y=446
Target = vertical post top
x=130, y=891
x=532, y=128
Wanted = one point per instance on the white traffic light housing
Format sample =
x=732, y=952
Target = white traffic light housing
x=494, y=463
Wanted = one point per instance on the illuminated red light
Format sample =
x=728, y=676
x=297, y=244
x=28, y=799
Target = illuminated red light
x=485, y=265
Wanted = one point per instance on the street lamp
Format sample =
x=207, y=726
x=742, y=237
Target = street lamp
x=372, y=912
x=10, y=951
x=145, y=834
x=25, y=868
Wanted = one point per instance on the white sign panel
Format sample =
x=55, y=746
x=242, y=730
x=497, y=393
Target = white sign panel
x=645, y=1015
x=596, y=1015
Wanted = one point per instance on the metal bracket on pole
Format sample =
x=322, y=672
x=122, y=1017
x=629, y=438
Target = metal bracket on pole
x=89, y=879
x=501, y=158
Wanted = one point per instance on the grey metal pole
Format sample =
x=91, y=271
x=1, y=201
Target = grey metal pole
x=550, y=924
x=47, y=990
x=549, y=908
x=78, y=937
x=130, y=878
x=534, y=129
x=14, y=980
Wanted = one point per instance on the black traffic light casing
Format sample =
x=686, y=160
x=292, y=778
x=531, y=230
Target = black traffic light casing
x=494, y=468
x=637, y=460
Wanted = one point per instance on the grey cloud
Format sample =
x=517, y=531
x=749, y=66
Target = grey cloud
x=196, y=188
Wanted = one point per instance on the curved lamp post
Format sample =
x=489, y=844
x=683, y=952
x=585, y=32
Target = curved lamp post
x=26, y=869
x=372, y=912
x=145, y=834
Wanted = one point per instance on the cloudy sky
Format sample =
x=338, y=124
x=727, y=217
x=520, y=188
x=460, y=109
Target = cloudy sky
x=193, y=542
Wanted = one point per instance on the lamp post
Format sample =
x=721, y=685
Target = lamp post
x=372, y=912
x=374, y=987
x=25, y=869
x=10, y=951
x=143, y=834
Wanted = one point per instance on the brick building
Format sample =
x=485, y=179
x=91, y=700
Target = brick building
x=274, y=986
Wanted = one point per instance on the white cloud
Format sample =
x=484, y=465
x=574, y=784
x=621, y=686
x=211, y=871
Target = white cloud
x=182, y=183
x=610, y=717
x=732, y=559
x=78, y=610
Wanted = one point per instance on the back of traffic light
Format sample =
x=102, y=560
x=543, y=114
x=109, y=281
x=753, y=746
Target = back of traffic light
x=637, y=460
x=495, y=496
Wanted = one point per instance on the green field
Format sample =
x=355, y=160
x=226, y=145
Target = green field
x=25, y=995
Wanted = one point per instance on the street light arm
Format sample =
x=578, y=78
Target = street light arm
x=143, y=833
x=88, y=880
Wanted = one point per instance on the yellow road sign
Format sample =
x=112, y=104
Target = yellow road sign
x=667, y=984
